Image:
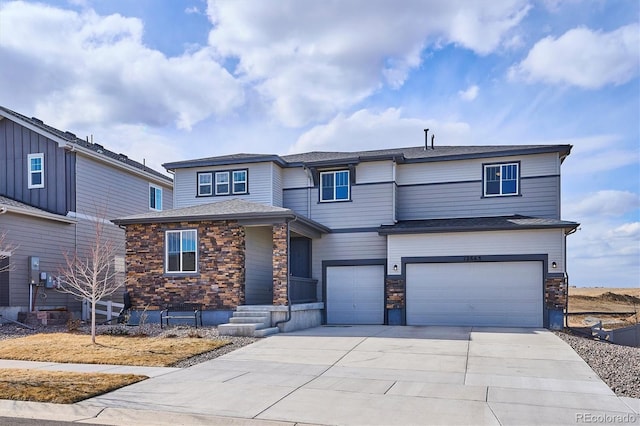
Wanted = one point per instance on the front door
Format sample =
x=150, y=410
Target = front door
x=300, y=257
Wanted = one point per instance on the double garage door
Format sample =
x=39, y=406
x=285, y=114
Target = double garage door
x=468, y=294
x=475, y=294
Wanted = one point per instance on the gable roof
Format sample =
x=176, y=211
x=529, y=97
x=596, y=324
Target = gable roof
x=234, y=209
x=416, y=154
x=498, y=223
x=93, y=149
x=13, y=206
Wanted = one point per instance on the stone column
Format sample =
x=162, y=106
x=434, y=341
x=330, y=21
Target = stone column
x=280, y=264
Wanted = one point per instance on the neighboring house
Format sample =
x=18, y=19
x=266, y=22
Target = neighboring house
x=468, y=235
x=53, y=187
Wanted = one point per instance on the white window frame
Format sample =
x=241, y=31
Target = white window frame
x=502, y=167
x=244, y=181
x=157, y=190
x=334, y=196
x=228, y=183
x=181, y=232
x=31, y=172
x=210, y=184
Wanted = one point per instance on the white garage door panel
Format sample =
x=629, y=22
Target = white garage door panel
x=355, y=294
x=491, y=294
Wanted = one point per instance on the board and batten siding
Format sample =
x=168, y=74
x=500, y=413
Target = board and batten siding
x=258, y=265
x=46, y=239
x=260, y=184
x=472, y=170
x=539, y=198
x=16, y=143
x=345, y=246
x=549, y=242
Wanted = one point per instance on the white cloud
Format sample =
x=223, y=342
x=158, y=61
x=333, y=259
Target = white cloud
x=192, y=10
x=602, y=203
x=309, y=60
x=584, y=58
x=470, y=94
x=595, y=154
x=366, y=130
x=60, y=59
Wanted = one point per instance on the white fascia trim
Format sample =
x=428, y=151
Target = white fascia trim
x=41, y=214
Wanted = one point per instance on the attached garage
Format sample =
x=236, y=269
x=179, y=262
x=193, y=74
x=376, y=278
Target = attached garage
x=355, y=294
x=475, y=294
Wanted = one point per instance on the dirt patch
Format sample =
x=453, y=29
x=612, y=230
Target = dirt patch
x=604, y=300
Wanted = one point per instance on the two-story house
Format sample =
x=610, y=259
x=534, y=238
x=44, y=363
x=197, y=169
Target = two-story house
x=53, y=188
x=467, y=235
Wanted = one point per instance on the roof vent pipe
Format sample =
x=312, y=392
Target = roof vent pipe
x=426, y=139
x=432, y=138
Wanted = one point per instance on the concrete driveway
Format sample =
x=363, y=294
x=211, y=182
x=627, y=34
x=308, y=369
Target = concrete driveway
x=384, y=375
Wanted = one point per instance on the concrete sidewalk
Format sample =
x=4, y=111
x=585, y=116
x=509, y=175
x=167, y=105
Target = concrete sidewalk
x=367, y=375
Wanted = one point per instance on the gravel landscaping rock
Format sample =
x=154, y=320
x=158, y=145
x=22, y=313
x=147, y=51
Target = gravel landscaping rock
x=617, y=365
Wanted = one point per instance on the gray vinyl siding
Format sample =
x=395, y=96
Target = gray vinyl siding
x=370, y=206
x=345, y=246
x=108, y=192
x=295, y=177
x=471, y=170
x=16, y=143
x=540, y=198
x=260, y=183
x=374, y=171
x=259, y=265
x=276, y=172
x=49, y=241
x=297, y=200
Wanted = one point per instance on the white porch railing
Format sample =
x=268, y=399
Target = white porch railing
x=107, y=310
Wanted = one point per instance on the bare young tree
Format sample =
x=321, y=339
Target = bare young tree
x=6, y=249
x=91, y=275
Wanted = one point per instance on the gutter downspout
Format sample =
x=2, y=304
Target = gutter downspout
x=288, y=318
x=566, y=279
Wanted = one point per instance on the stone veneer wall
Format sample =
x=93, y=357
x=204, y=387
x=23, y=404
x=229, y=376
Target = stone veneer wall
x=280, y=264
x=394, y=293
x=219, y=282
x=555, y=293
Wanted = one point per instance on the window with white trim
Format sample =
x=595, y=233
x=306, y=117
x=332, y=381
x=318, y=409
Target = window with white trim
x=501, y=179
x=222, y=183
x=205, y=184
x=155, y=197
x=181, y=251
x=35, y=174
x=239, y=181
x=334, y=186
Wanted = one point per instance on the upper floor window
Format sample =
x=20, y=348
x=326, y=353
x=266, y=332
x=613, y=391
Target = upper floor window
x=205, y=184
x=181, y=251
x=155, y=197
x=501, y=179
x=239, y=181
x=228, y=182
x=334, y=186
x=35, y=164
x=222, y=183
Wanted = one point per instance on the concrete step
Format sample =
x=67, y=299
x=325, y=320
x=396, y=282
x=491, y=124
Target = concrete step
x=253, y=308
x=266, y=332
x=251, y=314
x=248, y=330
x=250, y=320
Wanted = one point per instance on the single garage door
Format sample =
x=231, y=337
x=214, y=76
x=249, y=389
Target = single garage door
x=355, y=294
x=481, y=294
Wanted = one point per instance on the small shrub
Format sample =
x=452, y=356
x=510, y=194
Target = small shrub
x=73, y=325
x=116, y=331
x=194, y=334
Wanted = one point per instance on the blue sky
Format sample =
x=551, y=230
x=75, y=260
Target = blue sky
x=165, y=80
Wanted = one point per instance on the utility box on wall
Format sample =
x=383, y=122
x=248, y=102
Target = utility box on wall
x=34, y=270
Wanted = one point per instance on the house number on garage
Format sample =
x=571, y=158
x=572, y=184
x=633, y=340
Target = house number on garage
x=472, y=258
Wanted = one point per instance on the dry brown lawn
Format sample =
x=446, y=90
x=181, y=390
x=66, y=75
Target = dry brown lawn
x=602, y=299
x=121, y=350
x=59, y=386
x=67, y=387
